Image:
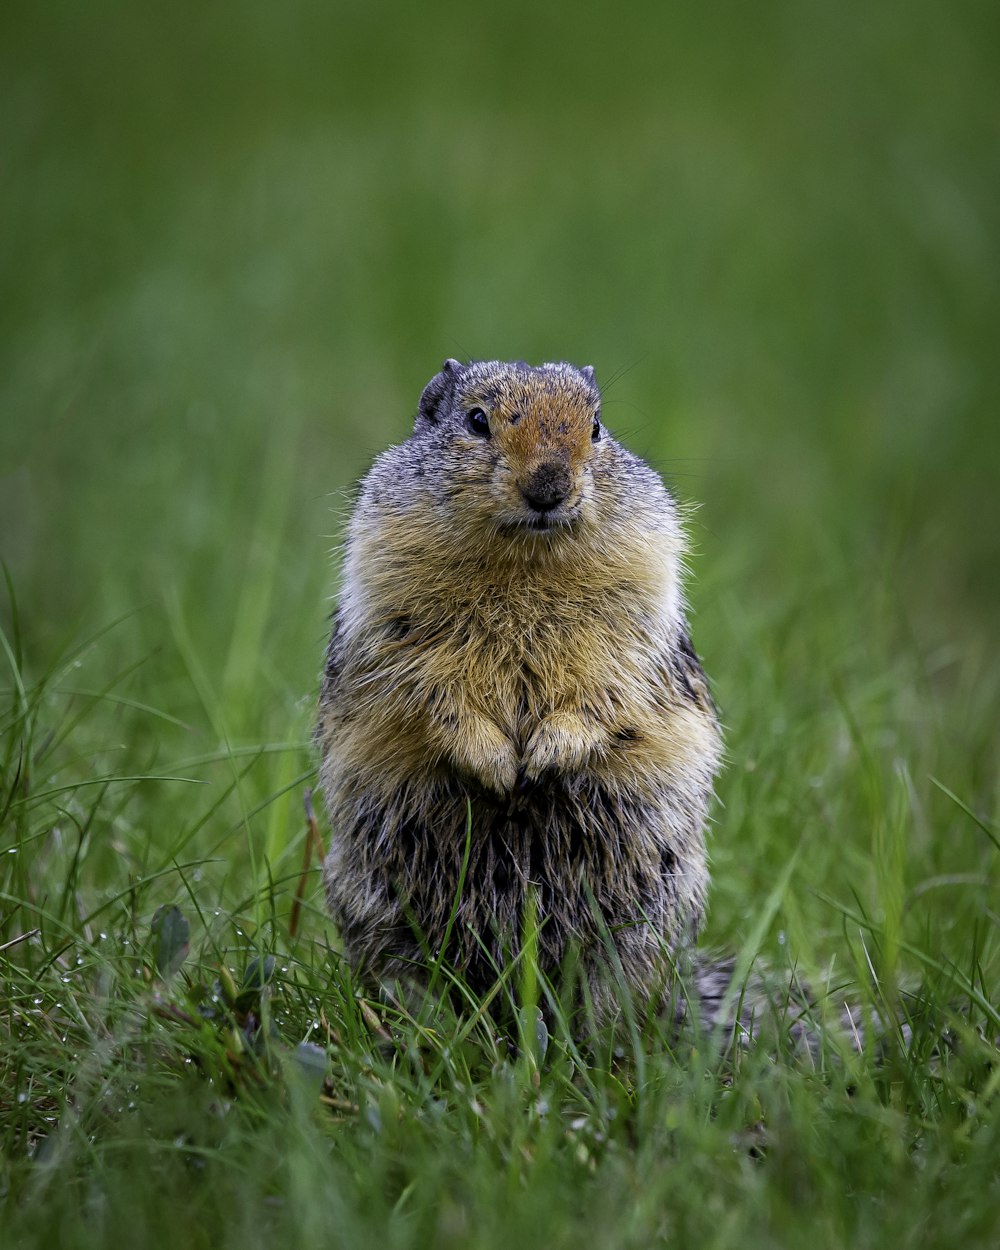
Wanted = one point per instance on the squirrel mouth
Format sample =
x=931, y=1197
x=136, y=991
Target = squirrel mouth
x=545, y=522
x=561, y=518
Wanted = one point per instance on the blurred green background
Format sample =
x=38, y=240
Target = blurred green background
x=237, y=239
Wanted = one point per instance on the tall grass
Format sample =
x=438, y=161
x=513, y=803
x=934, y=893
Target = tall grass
x=237, y=243
x=244, y=1090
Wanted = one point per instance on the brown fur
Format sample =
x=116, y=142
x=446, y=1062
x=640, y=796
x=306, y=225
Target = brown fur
x=533, y=665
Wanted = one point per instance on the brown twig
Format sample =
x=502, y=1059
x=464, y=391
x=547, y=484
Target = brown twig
x=313, y=844
x=314, y=834
x=22, y=937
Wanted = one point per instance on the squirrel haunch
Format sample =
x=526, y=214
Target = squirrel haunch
x=510, y=635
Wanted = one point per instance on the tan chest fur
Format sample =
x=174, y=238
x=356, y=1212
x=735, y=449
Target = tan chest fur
x=514, y=641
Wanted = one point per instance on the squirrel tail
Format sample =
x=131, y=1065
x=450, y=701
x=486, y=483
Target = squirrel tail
x=736, y=1006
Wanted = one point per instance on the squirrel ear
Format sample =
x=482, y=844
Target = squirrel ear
x=437, y=390
x=588, y=373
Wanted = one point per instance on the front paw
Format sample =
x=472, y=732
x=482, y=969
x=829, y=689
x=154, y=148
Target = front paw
x=483, y=750
x=561, y=743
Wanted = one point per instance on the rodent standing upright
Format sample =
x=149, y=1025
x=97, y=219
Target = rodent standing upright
x=510, y=637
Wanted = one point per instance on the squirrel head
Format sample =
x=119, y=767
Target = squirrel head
x=519, y=443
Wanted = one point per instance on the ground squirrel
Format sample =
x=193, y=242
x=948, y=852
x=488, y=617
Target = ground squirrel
x=510, y=639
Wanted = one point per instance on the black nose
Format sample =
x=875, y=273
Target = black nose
x=547, y=486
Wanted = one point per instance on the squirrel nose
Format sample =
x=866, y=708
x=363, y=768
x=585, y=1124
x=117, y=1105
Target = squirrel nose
x=547, y=486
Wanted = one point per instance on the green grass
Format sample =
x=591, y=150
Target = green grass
x=237, y=241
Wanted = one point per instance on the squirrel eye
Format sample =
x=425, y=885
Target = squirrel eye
x=478, y=422
x=595, y=433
